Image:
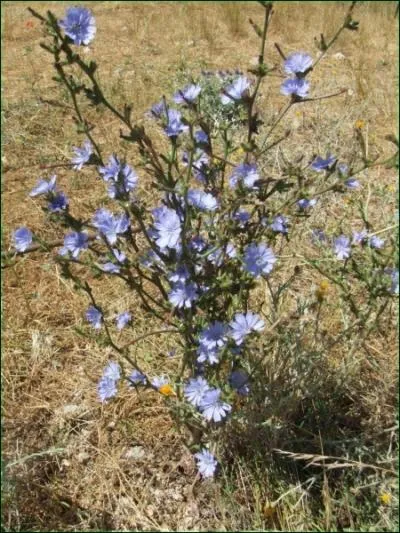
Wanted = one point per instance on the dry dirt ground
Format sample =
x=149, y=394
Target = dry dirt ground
x=74, y=464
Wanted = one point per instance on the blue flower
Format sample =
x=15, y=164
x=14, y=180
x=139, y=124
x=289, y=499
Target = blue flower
x=352, y=183
x=212, y=408
x=323, y=164
x=214, y=335
x=22, y=239
x=181, y=275
x=110, y=225
x=94, y=317
x=201, y=137
x=151, y=259
x=304, y=203
x=194, y=391
x=394, y=274
x=79, y=25
x=318, y=236
x=82, y=155
x=207, y=355
x=244, y=324
x=242, y=216
x=297, y=87
x=297, y=63
x=74, y=242
x=199, y=163
x=106, y=388
x=359, y=237
x=280, y=224
x=237, y=91
x=58, y=203
x=198, y=244
x=111, y=268
x=123, y=178
x=245, y=174
x=123, y=319
x=341, y=247
x=44, y=187
x=168, y=228
x=137, y=378
x=202, y=200
x=158, y=110
x=217, y=256
x=376, y=242
x=258, y=259
x=239, y=380
x=112, y=371
x=187, y=95
x=119, y=256
x=342, y=169
x=183, y=295
x=159, y=381
x=174, y=125
x=206, y=463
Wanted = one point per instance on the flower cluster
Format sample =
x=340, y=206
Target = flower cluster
x=194, y=250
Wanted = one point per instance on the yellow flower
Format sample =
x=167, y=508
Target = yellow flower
x=385, y=498
x=322, y=291
x=167, y=390
x=359, y=124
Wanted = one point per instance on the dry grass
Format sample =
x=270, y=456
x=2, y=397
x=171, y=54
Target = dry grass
x=123, y=466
